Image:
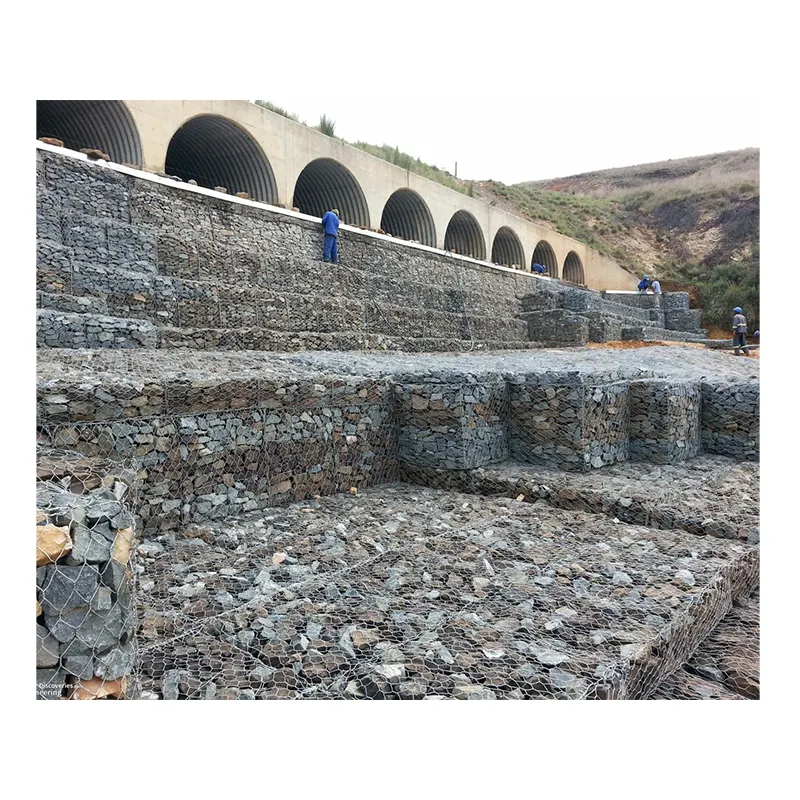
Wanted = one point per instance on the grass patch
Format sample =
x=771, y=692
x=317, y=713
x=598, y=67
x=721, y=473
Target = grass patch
x=720, y=288
x=405, y=161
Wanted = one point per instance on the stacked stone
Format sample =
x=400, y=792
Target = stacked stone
x=649, y=333
x=602, y=327
x=684, y=319
x=214, y=274
x=730, y=419
x=674, y=301
x=410, y=595
x=647, y=301
x=70, y=304
x=563, y=421
x=606, y=424
x=558, y=326
x=85, y=616
x=664, y=420
x=208, y=448
x=59, y=329
x=452, y=425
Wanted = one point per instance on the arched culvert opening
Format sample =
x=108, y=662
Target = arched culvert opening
x=407, y=215
x=573, y=268
x=546, y=256
x=105, y=125
x=214, y=151
x=325, y=184
x=507, y=248
x=464, y=236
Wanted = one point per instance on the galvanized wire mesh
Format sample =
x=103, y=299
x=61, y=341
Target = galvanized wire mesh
x=526, y=555
x=404, y=593
x=85, y=610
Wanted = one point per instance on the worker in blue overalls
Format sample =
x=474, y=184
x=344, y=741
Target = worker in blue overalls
x=330, y=224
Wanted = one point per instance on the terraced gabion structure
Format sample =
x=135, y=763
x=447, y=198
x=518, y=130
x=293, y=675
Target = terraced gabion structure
x=217, y=445
x=417, y=484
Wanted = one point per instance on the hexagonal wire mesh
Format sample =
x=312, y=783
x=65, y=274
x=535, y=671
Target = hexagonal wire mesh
x=278, y=558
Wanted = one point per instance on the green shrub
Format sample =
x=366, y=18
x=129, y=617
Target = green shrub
x=327, y=126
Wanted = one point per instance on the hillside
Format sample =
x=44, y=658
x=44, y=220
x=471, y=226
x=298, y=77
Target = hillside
x=693, y=222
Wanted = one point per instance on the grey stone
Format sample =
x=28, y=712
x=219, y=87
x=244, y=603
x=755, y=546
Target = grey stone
x=95, y=629
x=561, y=679
x=710, y=672
x=47, y=648
x=549, y=657
x=79, y=666
x=68, y=588
x=115, y=663
x=473, y=692
x=170, y=684
x=684, y=578
x=49, y=684
x=113, y=576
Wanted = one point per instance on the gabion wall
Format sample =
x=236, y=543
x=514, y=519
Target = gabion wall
x=557, y=325
x=730, y=419
x=664, y=420
x=452, y=425
x=280, y=442
x=566, y=422
x=85, y=619
x=126, y=262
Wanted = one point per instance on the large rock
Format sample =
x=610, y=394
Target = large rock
x=97, y=689
x=472, y=692
x=115, y=663
x=79, y=666
x=89, y=546
x=52, y=543
x=98, y=630
x=67, y=589
x=123, y=541
x=46, y=648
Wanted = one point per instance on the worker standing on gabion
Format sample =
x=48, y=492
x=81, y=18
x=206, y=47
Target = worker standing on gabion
x=330, y=224
x=655, y=287
x=739, y=332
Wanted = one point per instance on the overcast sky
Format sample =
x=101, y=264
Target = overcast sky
x=521, y=91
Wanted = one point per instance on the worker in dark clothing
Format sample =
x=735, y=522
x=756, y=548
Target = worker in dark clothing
x=739, y=332
x=330, y=224
x=539, y=268
x=644, y=284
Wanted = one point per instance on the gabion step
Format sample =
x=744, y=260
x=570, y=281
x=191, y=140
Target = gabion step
x=650, y=334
